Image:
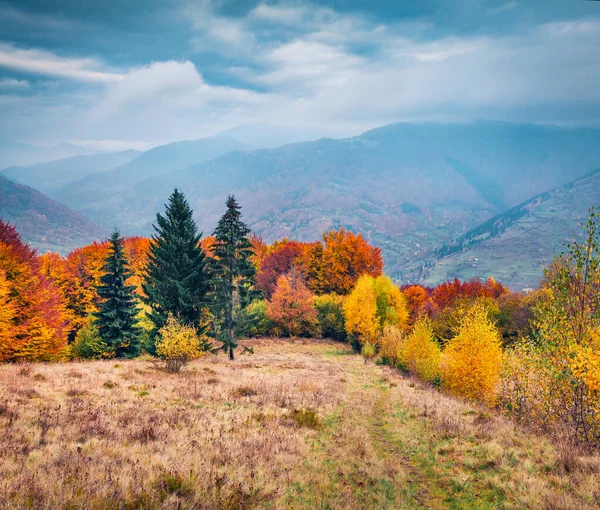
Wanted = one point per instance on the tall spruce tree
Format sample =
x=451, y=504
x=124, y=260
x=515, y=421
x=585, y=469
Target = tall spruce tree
x=176, y=280
x=116, y=318
x=232, y=272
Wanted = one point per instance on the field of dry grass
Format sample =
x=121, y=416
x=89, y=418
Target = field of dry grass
x=301, y=424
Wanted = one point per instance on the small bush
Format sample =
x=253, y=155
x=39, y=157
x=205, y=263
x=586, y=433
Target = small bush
x=109, y=385
x=177, y=344
x=368, y=352
x=391, y=344
x=421, y=353
x=245, y=391
x=330, y=309
x=89, y=345
x=254, y=321
x=306, y=418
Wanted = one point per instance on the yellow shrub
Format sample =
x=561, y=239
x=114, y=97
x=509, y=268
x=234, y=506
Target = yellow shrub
x=360, y=311
x=177, y=344
x=421, y=353
x=390, y=344
x=472, y=361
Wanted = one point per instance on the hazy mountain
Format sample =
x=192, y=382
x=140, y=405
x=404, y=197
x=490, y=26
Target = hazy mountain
x=51, y=175
x=102, y=187
x=44, y=223
x=259, y=135
x=22, y=154
x=407, y=187
x=515, y=246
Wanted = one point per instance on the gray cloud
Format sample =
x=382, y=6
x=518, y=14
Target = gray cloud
x=328, y=71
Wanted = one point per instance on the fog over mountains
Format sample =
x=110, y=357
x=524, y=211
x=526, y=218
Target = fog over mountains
x=409, y=188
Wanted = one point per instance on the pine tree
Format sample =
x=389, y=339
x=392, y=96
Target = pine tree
x=116, y=318
x=176, y=280
x=232, y=272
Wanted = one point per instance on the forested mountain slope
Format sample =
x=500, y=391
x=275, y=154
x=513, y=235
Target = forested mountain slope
x=514, y=246
x=44, y=223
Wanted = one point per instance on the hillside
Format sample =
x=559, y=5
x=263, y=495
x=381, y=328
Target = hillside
x=514, y=246
x=44, y=223
x=407, y=187
x=51, y=175
x=296, y=425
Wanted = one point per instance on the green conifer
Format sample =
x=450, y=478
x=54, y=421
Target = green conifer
x=116, y=319
x=176, y=280
x=232, y=273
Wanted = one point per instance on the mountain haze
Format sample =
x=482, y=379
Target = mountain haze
x=51, y=175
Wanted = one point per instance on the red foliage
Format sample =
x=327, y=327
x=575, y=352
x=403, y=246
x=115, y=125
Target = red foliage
x=279, y=262
x=446, y=294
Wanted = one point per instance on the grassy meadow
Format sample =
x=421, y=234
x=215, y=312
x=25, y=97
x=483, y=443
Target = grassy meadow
x=298, y=424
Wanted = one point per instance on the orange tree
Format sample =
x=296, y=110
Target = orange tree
x=292, y=307
x=346, y=257
x=33, y=318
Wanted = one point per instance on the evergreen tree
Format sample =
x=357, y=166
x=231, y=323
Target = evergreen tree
x=116, y=319
x=232, y=272
x=176, y=280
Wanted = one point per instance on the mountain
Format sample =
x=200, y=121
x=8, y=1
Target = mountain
x=261, y=135
x=51, y=175
x=408, y=187
x=44, y=223
x=516, y=245
x=22, y=154
x=103, y=187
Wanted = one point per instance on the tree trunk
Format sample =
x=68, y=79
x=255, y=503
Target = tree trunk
x=231, y=344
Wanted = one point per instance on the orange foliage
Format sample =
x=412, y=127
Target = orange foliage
x=207, y=244
x=346, y=257
x=418, y=299
x=292, y=306
x=260, y=249
x=32, y=323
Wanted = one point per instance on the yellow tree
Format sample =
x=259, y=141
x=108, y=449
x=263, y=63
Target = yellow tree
x=421, y=353
x=392, y=305
x=472, y=360
x=360, y=312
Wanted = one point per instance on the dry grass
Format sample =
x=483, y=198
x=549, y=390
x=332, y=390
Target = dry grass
x=298, y=424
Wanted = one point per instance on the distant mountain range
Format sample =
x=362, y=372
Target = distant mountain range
x=516, y=245
x=49, y=176
x=103, y=195
x=44, y=223
x=409, y=188
x=22, y=154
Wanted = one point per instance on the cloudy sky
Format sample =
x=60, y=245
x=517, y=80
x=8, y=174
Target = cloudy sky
x=118, y=74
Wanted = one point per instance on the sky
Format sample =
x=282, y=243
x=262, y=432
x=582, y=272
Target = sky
x=137, y=73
